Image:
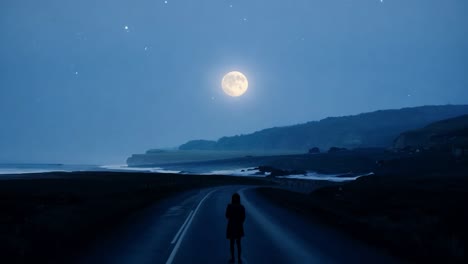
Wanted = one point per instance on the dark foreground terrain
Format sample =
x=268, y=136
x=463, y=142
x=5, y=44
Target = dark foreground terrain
x=272, y=234
x=50, y=217
x=415, y=208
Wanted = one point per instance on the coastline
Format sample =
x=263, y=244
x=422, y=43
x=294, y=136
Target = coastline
x=411, y=206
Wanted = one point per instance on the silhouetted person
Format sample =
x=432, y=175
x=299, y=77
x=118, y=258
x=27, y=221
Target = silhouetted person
x=235, y=213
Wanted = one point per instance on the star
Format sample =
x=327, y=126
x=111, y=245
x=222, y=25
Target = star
x=165, y=2
x=76, y=73
x=126, y=28
x=80, y=36
x=230, y=6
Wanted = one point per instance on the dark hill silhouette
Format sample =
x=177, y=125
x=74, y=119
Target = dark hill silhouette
x=445, y=134
x=374, y=129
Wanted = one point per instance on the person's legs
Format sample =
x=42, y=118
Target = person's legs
x=232, y=249
x=239, y=249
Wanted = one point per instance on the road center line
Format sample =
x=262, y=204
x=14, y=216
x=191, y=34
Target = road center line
x=190, y=219
x=181, y=228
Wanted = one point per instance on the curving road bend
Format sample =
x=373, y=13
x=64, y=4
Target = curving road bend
x=190, y=228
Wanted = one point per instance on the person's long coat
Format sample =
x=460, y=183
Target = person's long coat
x=235, y=213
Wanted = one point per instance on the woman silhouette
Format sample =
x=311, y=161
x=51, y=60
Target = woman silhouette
x=235, y=213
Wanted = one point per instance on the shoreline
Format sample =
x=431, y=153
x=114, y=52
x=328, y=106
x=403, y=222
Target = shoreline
x=18, y=173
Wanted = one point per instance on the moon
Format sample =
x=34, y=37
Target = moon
x=235, y=83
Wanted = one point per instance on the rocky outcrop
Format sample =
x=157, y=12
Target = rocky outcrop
x=272, y=172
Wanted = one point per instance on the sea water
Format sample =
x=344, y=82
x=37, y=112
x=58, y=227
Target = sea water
x=26, y=168
x=20, y=169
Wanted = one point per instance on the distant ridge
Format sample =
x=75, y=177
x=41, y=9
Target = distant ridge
x=446, y=134
x=373, y=129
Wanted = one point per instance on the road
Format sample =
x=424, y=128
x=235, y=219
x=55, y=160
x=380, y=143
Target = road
x=190, y=228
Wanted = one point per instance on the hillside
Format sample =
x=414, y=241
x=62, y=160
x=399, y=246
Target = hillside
x=374, y=129
x=443, y=134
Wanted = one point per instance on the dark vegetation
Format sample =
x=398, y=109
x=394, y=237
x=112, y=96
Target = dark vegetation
x=334, y=162
x=443, y=135
x=49, y=219
x=415, y=207
x=375, y=129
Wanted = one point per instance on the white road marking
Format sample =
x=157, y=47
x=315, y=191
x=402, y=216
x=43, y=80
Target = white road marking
x=177, y=245
x=181, y=228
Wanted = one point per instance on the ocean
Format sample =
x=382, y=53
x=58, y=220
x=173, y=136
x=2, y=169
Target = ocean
x=16, y=170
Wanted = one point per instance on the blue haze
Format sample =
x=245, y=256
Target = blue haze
x=76, y=86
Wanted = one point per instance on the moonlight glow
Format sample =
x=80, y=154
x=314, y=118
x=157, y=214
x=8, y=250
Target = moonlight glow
x=235, y=83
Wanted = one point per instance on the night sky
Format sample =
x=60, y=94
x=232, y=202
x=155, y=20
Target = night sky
x=93, y=81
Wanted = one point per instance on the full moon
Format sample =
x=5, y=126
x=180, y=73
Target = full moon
x=235, y=83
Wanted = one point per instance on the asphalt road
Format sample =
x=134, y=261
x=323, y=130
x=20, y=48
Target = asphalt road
x=191, y=228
